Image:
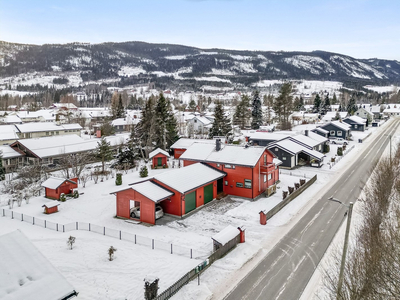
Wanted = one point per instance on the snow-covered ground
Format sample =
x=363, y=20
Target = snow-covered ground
x=86, y=266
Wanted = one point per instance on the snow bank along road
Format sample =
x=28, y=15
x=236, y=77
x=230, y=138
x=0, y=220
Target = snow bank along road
x=286, y=269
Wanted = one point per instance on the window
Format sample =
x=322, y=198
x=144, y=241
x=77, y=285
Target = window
x=283, y=157
x=265, y=159
x=195, y=120
x=265, y=178
x=218, y=165
x=355, y=126
x=239, y=184
x=57, y=132
x=339, y=133
x=228, y=166
x=247, y=183
x=332, y=132
x=276, y=149
x=226, y=182
x=269, y=176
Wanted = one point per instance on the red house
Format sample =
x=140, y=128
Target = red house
x=178, y=192
x=159, y=158
x=250, y=170
x=55, y=186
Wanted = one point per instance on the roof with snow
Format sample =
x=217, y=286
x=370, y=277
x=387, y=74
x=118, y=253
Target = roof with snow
x=322, y=130
x=8, y=152
x=189, y=178
x=66, y=144
x=261, y=135
x=55, y=182
x=203, y=120
x=305, y=140
x=229, y=154
x=51, y=204
x=157, y=151
x=319, y=138
x=341, y=125
x=295, y=148
x=26, y=274
x=8, y=132
x=357, y=120
x=184, y=143
x=225, y=235
x=152, y=191
x=45, y=126
x=12, y=119
x=330, y=115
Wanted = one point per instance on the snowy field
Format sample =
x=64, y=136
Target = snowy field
x=86, y=266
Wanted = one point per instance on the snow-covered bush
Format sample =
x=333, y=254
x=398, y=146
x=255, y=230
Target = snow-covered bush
x=63, y=197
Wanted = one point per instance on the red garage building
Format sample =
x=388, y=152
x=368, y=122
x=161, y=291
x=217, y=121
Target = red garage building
x=159, y=158
x=178, y=192
x=55, y=186
x=250, y=170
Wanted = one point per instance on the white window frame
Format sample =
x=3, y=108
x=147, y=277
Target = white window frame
x=339, y=133
x=333, y=132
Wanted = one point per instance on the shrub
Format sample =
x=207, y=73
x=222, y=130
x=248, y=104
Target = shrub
x=339, y=151
x=63, y=198
x=164, y=166
x=326, y=148
x=144, y=172
x=75, y=194
x=118, y=180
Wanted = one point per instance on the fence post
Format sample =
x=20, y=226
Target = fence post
x=120, y=234
x=22, y=217
x=45, y=224
x=57, y=226
x=152, y=244
x=104, y=231
x=3, y=212
x=191, y=253
x=171, y=249
x=33, y=221
x=76, y=225
x=12, y=215
x=63, y=228
x=89, y=226
x=135, y=238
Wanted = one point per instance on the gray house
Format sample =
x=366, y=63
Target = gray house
x=356, y=123
x=337, y=129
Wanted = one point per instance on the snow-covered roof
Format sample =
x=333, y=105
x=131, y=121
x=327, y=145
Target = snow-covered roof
x=66, y=144
x=45, y=126
x=203, y=120
x=188, y=178
x=51, y=204
x=341, y=125
x=121, y=122
x=8, y=152
x=152, y=191
x=26, y=274
x=8, y=132
x=12, y=119
x=295, y=148
x=184, y=143
x=259, y=135
x=229, y=154
x=322, y=130
x=276, y=161
x=319, y=138
x=158, y=150
x=330, y=115
x=225, y=235
x=356, y=119
x=305, y=140
x=55, y=182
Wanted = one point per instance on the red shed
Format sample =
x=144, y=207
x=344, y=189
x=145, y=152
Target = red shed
x=51, y=207
x=159, y=157
x=56, y=186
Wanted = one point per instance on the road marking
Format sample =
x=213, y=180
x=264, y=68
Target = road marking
x=290, y=277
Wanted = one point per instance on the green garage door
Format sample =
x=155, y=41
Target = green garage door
x=208, y=193
x=190, y=202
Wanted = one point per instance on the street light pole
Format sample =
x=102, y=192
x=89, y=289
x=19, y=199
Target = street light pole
x=345, y=246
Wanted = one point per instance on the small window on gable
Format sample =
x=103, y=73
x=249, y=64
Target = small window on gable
x=283, y=157
x=339, y=133
x=265, y=158
x=355, y=126
x=276, y=149
x=332, y=132
x=228, y=166
x=218, y=165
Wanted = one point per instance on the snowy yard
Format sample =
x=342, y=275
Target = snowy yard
x=86, y=266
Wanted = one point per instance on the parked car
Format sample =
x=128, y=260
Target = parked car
x=135, y=212
x=339, y=141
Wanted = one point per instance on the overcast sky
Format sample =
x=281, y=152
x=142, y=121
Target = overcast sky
x=359, y=28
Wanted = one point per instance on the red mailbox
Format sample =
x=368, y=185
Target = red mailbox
x=242, y=237
x=263, y=217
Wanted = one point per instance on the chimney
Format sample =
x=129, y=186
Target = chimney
x=306, y=132
x=217, y=144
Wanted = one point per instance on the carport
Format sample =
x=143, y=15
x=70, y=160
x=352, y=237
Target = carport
x=147, y=195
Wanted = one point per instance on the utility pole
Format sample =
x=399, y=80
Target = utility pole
x=346, y=243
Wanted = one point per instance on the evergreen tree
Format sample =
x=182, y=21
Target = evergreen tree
x=221, y=125
x=192, y=105
x=166, y=132
x=327, y=104
x=2, y=169
x=256, y=111
x=334, y=99
x=120, y=112
x=284, y=105
x=242, y=112
x=351, y=106
x=103, y=152
x=147, y=127
x=297, y=104
x=317, y=104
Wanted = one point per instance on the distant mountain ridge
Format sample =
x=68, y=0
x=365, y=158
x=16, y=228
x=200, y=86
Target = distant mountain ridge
x=176, y=65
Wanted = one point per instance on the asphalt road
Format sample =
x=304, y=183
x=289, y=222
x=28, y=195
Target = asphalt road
x=285, y=271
